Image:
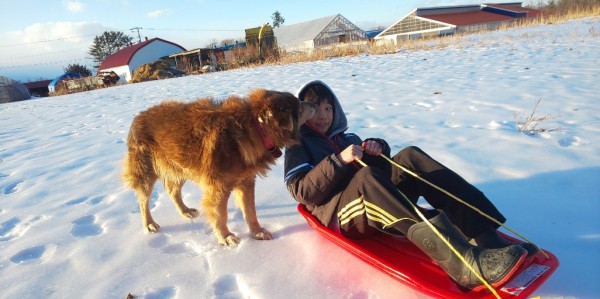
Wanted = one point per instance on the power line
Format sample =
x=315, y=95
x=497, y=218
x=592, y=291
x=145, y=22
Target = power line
x=193, y=30
x=66, y=61
x=42, y=54
x=134, y=28
x=46, y=41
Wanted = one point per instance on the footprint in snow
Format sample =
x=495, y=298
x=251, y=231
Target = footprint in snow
x=85, y=227
x=230, y=286
x=32, y=255
x=161, y=293
x=570, y=141
x=92, y=201
x=12, y=187
x=16, y=227
x=29, y=254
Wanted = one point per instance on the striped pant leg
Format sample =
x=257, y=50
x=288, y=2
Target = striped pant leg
x=372, y=203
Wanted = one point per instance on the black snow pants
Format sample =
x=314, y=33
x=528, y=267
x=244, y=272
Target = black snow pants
x=371, y=202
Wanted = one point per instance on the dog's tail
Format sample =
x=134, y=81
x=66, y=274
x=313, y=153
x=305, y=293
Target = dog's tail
x=138, y=168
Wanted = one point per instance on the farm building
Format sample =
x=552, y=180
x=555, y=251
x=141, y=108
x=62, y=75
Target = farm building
x=317, y=33
x=267, y=37
x=12, y=91
x=125, y=61
x=447, y=20
x=205, y=59
x=38, y=88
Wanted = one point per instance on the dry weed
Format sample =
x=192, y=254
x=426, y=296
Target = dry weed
x=530, y=124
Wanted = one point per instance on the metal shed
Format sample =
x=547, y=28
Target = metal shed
x=317, y=33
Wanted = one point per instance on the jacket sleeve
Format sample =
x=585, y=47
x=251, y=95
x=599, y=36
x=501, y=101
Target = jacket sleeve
x=313, y=185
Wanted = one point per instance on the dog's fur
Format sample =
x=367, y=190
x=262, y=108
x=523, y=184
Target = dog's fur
x=215, y=144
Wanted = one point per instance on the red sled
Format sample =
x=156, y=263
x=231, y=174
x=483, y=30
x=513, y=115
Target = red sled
x=402, y=260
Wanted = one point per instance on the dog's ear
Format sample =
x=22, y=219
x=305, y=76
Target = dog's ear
x=279, y=114
x=306, y=112
x=265, y=116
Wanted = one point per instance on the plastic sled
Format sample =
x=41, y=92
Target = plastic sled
x=402, y=260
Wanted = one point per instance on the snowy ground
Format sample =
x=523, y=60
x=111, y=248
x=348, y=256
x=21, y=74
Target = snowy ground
x=69, y=229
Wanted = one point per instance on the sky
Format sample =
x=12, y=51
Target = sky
x=69, y=228
x=38, y=39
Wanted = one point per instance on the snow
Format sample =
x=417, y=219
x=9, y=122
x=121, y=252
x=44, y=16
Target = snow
x=70, y=229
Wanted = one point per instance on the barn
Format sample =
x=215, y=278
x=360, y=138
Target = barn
x=125, y=61
x=317, y=33
x=447, y=20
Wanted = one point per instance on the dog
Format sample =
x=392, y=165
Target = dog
x=220, y=145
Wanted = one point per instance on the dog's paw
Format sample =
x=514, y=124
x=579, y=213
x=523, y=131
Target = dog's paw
x=153, y=227
x=191, y=213
x=230, y=240
x=263, y=234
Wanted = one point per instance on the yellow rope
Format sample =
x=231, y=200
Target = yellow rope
x=461, y=201
x=445, y=241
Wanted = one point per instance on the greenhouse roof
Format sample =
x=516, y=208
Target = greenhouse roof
x=304, y=31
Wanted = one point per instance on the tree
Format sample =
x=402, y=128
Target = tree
x=81, y=69
x=107, y=44
x=278, y=20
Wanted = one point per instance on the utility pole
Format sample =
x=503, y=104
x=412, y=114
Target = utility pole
x=138, y=32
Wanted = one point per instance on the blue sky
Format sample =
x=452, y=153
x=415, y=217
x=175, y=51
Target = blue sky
x=39, y=38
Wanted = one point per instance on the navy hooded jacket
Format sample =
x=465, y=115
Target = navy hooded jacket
x=314, y=175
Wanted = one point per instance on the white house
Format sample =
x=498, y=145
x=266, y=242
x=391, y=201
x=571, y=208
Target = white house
x=125, y=61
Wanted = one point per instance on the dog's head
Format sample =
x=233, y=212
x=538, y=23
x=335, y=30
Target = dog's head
x=280, y=114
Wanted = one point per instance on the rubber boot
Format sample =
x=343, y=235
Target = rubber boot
x=496, y=266
x=490, y=238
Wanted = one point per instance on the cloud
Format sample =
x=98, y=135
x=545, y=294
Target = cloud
x=158, y=13
x=56, y=35
x=74, y=6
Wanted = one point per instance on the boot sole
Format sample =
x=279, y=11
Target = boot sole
x=507, y=276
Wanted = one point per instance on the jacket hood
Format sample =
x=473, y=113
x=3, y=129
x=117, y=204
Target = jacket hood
x=339, y=123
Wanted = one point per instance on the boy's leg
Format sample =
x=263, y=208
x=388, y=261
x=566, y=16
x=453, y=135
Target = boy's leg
x=468, y=221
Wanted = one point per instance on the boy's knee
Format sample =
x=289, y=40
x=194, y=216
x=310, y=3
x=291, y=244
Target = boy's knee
x=410, y=151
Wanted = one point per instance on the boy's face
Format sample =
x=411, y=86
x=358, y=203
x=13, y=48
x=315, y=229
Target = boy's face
x=321, y=121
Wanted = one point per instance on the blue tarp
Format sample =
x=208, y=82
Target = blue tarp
x=67, y=75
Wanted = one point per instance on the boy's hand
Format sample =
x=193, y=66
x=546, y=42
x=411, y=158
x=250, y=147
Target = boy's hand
x=372, y=147
x=351, y=153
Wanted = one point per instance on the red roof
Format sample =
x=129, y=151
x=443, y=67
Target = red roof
x=481, y=16
x=469, y=18
x=123, y=56
x=37, y=84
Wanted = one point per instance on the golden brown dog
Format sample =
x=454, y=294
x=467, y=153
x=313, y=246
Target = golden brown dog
x=220, y=145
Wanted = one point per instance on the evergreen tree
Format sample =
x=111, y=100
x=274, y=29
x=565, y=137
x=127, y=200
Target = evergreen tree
x=278, y=20
x=107, y=44
x=81, y=69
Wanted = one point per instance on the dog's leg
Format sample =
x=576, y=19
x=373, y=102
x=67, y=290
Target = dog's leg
x=244, y=197
x=215, y=207
x=139, y=174
x=144, y=202
x=174, y=190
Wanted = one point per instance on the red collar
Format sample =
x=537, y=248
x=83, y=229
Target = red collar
x=267, y=142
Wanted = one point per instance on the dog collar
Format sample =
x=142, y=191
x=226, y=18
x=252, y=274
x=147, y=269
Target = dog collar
x=267, y=142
